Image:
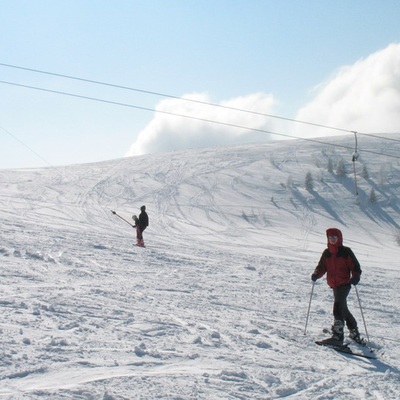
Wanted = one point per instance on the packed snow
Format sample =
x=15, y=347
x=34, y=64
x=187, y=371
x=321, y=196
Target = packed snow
x=215, y=306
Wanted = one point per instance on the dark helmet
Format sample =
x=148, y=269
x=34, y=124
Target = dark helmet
x=143, y=208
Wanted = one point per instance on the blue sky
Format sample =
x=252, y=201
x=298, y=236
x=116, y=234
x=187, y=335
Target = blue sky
x=269, y=56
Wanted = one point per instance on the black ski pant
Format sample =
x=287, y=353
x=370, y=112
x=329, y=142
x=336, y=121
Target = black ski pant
x=340, y=310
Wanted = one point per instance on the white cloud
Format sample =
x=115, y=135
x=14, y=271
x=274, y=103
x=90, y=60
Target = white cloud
x=363, y=97
x=170, y=132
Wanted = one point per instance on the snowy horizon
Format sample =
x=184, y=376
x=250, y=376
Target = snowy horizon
x=215, y=306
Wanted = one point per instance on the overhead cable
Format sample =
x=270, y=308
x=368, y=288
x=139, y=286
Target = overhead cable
x=188, y=117
x=172, y=97
x=376, y=135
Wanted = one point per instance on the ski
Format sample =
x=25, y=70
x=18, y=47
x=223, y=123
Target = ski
x=344, y=349
x=362, y=341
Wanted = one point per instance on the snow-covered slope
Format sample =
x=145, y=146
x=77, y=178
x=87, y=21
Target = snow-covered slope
x=215, y=306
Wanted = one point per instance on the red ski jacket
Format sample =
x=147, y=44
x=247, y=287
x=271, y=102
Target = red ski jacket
x=338, y=262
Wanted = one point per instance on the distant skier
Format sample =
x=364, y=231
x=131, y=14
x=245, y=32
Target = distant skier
x=141, y=224
x=342, y=269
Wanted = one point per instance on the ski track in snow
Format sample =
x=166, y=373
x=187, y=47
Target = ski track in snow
x=214, y=307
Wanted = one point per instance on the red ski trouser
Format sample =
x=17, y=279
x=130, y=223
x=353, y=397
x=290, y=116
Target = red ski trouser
x=139, y=235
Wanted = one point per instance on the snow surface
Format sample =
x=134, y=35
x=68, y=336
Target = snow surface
x=215, y=306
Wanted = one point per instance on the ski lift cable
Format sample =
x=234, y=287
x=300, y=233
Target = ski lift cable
x=28, y=148
x=171, y=96
x=379, y=136
x=189, y=117
x=182, y=99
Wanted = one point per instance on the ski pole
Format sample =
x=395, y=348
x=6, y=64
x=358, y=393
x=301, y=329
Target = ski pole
x=362, y=314
x=133, y=226
x=309, y=306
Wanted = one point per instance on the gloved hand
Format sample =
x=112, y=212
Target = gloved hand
x=354, y=280
x=314, y=277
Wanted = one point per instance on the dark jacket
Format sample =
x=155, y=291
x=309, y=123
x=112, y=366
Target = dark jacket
x=338, y=262
x=143, y=220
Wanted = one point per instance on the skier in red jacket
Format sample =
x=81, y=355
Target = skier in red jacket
x=342, y=269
